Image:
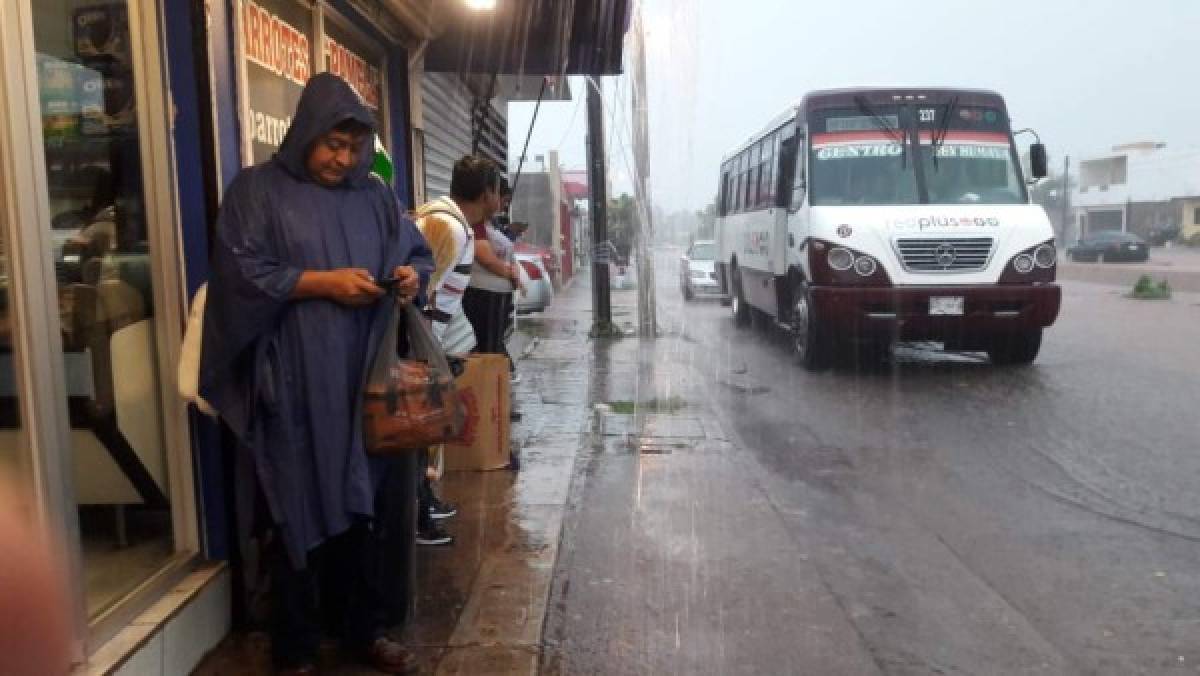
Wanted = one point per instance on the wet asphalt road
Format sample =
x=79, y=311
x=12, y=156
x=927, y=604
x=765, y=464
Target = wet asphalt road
x=971, y=519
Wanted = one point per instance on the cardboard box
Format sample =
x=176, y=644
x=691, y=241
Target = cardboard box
x=485, y=443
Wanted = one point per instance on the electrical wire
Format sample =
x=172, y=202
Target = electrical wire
x=571, y=124
x=528, y=136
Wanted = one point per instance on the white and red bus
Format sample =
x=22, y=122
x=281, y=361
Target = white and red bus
x=865, y=216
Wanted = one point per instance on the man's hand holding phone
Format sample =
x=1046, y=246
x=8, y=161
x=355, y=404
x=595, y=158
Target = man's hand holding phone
x=406, y=281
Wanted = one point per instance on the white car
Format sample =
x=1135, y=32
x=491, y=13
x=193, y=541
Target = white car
x=538, y=290
x=698, y=271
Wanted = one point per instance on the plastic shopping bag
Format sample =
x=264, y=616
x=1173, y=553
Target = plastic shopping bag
x=410, y=403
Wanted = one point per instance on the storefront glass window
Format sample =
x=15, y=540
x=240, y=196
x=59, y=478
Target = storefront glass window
x=102, y=258
x=10, y=420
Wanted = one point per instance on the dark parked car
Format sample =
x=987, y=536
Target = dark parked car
x=1109, y=246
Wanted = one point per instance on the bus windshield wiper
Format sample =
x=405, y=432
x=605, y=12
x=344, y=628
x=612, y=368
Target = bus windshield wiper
x=939, y=134
x=896, y=134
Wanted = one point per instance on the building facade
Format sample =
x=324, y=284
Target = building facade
x=1139, y=188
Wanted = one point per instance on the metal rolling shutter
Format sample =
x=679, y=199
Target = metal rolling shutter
x=447, y=101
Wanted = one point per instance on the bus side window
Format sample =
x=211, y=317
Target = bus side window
x=751, y=196
x=786, y=165
x=767, y=184
x=736, y=196
x=743, y=179
x=723, y=193
x=800, y=185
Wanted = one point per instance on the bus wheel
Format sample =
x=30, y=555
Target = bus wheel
x=809, y=338
x=1016, y=348
x=741, y=309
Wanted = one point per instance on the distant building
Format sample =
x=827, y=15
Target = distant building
x=546, y=200
x=1140, y=187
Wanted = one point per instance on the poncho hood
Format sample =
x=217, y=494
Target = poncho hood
x=326, y=102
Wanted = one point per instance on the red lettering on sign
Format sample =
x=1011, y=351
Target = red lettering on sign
x=363, y=77
x=275, y=44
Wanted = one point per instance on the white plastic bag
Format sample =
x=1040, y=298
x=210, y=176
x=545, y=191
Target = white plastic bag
x=189, y=357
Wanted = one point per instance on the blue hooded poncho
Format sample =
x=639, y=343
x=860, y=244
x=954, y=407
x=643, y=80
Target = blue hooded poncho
x=286, y=375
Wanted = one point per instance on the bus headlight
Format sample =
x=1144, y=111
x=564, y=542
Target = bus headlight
x=1045, y=256
x=840, y=258
x=865, y=266
x=1036, y=265
x=836, y=264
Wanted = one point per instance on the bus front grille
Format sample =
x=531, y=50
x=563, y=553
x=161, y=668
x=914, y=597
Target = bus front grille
x=945, y=254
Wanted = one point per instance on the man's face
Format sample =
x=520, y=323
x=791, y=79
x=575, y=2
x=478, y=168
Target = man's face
x=492, y=202
x=333, y=155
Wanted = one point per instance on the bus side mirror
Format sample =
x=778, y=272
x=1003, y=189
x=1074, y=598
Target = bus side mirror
x=1037, y=160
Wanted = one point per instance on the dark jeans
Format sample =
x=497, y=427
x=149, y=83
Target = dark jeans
x=488, y=313
x=334, y=594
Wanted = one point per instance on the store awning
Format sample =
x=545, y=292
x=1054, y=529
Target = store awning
x=529, y=37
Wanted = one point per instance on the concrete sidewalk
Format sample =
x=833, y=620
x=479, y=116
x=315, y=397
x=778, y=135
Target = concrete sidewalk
x=481, y=602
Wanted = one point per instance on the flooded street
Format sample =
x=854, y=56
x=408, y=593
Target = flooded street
x=932, y=515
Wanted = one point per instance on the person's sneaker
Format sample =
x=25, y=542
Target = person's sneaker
x=515, y=379
x=433, y=536
x=441, y=510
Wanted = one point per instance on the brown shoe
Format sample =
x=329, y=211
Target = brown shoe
x=390, y=657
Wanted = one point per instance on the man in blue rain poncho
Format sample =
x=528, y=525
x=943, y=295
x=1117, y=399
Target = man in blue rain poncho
x=295, y=312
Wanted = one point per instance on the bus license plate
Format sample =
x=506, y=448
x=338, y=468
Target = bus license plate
x=946, y=306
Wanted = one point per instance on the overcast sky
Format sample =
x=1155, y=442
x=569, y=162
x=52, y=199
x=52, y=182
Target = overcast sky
x=1085, y=74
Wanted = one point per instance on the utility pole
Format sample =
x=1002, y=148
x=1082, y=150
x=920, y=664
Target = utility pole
x=644, y=233
x=556, y=199
x=1066, y=197
x=598, y=212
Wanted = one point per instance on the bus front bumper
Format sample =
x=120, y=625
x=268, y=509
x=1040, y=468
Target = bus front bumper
x=942, y=313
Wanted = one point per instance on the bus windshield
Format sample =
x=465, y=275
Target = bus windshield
x=856, y=158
